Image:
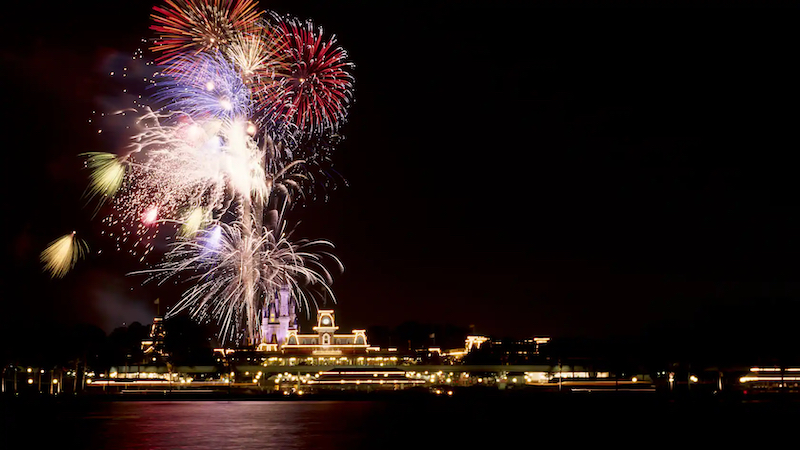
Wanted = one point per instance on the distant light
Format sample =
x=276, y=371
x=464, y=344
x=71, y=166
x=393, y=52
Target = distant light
x=210, y=86
x=693, y=379
x=30, y=380
x=634, y=379
x=29, y=370
x=55, y=381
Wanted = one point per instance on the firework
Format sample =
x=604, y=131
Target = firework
x=244, y=116
x=107, y=173
x=315, y=92
x=258, y=54
x=175, y=166
x=61, y=255
x=197, y=163
x=205, y=86
x=193, y=222
x=194, y=26
x=236, y=270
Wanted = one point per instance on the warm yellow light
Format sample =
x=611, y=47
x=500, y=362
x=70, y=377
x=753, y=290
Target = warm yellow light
x=55, y=381
x=29, y=370
x=693, y=379
x=30, y=380
x=107, y=174
x=634, y=379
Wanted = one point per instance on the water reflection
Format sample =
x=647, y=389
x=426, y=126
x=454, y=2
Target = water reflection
x=471, y=422
x=239, y=425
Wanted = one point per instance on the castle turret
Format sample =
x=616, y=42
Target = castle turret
x=279, y=317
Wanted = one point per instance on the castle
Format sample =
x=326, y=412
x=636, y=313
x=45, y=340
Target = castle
x=280, y=331
x=279, y=317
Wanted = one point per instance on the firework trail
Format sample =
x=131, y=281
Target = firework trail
x=107, y=174
x=243, y=115
x=237, y=271
x=61, y=255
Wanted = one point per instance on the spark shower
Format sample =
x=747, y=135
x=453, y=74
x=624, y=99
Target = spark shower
x=239, y=118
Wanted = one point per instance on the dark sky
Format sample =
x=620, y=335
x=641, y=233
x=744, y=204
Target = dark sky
x=531, y=171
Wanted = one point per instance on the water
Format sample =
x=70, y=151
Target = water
x=476, y=422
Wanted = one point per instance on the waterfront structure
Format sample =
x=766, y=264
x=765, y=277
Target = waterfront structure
x=786, y=379
x=326, y=359
x=364, y=377
x=325, y=340
x=282, y=335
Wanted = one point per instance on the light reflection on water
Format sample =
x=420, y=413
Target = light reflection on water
x=469, y=422
x=221, y=424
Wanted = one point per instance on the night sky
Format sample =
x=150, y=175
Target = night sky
x=528, y=171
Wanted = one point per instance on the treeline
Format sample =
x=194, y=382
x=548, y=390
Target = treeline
x=59, y=345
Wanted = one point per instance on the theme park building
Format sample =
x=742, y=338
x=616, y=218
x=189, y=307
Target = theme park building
x=280, y=332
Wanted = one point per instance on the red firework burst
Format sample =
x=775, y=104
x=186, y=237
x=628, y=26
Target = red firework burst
x=199, y=25
x=316, y=90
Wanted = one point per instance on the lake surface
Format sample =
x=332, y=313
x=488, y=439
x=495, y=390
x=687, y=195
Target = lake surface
x=476, y=422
